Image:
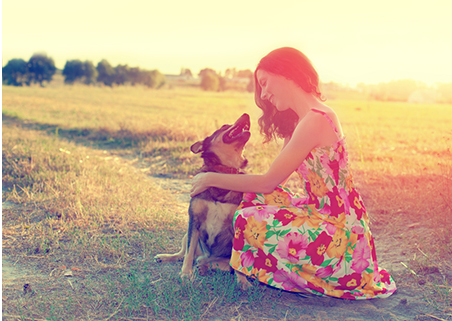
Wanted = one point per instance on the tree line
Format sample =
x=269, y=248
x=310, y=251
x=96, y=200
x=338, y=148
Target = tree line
x=213, y=81
x=40, y=68
x=76, y=70
x=402, y=90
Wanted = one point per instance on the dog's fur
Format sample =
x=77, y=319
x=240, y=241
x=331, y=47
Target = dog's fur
x=210, y=228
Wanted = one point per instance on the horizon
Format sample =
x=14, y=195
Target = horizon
x=348, y=42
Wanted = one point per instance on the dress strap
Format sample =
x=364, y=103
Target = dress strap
x=333, y=125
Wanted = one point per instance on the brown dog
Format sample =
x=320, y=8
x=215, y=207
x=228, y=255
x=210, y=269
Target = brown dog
x=210, y=227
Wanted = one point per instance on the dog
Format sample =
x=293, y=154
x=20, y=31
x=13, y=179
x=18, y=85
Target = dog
x=210, y=228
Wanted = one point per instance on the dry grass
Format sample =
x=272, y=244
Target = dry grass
x=74, y=158
x=78, y=199
x=402, y=156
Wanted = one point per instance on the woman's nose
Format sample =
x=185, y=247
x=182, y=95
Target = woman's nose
x=263, y=94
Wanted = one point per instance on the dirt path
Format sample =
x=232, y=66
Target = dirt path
x=15, y=273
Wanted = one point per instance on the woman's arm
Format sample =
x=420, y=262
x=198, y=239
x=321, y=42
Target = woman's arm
x=235, y=182
x=308, y=134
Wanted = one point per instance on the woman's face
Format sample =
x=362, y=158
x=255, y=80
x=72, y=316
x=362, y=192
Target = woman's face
x=275, y=88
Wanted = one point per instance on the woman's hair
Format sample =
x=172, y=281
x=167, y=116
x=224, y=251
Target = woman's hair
x=293, y=65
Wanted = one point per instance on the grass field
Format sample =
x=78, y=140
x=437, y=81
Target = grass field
x=81, y=166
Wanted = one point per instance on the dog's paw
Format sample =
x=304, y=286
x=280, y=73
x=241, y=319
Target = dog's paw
x=202, y=269
x=186, y=275
x=245, y=285
x=242, y=281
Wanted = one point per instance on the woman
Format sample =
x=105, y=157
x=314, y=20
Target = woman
x=318, y=242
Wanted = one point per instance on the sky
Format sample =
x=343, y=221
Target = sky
x=348, y=41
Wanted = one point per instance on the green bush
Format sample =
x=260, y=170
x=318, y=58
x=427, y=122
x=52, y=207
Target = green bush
x=210, y=82
x=153, y=79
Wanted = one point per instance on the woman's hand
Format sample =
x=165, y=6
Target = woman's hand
x=199, y=184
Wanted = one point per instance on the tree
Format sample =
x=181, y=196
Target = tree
x=153, y=79
x=444, y=92
x=395, y=90
x=230, y=73
x=73, y=71
x=186, y=72
x=135, y=76
x=250, y=86
x=245, y=73
x=205, y=71
x=210, y=81
x=40, y=68
x=106, y=74
x=15, y=72
x=221, y=83
x=89, y=72
x=121, y=74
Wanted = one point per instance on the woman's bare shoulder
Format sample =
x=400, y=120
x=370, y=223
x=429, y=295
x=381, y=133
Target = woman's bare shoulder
x=332, y=115
x=326, y=109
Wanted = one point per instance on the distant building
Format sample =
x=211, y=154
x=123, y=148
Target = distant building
x=178, y=77
x=422, y=96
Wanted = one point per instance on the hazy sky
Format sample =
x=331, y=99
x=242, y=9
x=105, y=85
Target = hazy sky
x=349, y=41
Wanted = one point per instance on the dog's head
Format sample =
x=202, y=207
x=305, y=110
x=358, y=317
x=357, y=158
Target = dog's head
x=225, y=146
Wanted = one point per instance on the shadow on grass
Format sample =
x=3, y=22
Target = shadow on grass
x=102, y=137
x=163, y=152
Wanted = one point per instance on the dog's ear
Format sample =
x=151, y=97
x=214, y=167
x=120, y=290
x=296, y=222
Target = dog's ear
x=196, y=147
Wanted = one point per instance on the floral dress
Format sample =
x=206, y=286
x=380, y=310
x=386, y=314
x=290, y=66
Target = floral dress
x=318, y=242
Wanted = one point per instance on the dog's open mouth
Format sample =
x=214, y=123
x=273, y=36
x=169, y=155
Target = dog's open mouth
x=239, y=132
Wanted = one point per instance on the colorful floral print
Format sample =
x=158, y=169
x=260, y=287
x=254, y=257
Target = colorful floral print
x=317, y=249
x=318, y=242
x=255, y=232
x=293, y=247
x=278, y=198
x=316, y=184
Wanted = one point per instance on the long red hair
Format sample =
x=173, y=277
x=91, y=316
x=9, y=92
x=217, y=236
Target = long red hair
x=293, y=65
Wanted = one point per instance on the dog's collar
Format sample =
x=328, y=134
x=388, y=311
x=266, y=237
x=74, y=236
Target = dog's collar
x=220, y=169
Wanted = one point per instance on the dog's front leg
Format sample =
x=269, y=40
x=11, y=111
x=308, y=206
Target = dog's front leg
x=187, y=266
